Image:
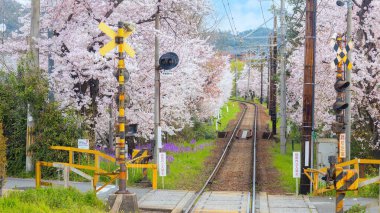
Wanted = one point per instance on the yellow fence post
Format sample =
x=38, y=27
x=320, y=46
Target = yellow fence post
x=70, y=157
x=315, y=182
x=38, y=175
x=96, y=176
x=356, y=167
x=154, y=181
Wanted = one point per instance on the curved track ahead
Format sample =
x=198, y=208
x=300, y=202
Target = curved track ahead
x=235, y=171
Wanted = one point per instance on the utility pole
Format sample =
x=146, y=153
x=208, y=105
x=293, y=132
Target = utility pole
x=261, y=84
x=34, y=34
x=283, y=81
x=35, y=31
x=269, y=68
x=157, y=88
x=273, y=87
x=50, y=67
x=308, y=96
x=348, y=78
x=249, y=72
x=236, y=77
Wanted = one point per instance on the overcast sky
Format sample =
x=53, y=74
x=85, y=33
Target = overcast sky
x=246, y=13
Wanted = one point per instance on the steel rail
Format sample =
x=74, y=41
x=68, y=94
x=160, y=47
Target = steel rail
x=253, y=207
x=254, y=140
x=200, y=192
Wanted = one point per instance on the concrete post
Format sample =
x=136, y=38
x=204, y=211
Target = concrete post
x=348, y=90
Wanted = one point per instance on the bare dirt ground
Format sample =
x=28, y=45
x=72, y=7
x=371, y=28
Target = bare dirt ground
x=236, y=171
x=267, y=179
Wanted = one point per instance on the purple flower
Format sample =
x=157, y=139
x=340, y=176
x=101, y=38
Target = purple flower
x=170, y=147
x=193, y=141
x=144, y=146
x=169, y=158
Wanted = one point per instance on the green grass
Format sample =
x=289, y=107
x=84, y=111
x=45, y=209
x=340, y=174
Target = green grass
x=186, y=169
x=51, y=200
x=226, y=117
x=284, y=165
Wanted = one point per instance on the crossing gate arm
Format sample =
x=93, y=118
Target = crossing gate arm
x=355, y=162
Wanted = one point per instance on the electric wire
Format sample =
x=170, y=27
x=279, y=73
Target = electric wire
x=262, y=13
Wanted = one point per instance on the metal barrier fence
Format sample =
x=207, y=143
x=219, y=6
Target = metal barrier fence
x=98, y=171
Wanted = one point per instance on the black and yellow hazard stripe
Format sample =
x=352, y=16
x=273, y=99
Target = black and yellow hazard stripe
x=346, y=180
x=339, y=201
x=341, y=54
x=141, y=154
x=340, y=179
x=352, y=180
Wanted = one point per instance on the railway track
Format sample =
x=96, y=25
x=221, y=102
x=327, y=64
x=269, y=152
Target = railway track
x=219, y=187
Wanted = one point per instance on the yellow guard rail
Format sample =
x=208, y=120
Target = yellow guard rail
x=96, y=167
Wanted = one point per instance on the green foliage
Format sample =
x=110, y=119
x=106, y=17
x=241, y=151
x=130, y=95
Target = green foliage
x=29, y=85
x=185, y=172
x=284, y=165
x=26, y=85
x=3, y=156
x=51, y=200
x=204, y=130
x=238, y=64
x=55, y=129
x=356, y=209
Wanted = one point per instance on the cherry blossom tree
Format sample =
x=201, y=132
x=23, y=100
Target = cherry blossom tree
x=365, y=74
x=84, y=80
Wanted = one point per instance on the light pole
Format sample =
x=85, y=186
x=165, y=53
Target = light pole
x=347, y=117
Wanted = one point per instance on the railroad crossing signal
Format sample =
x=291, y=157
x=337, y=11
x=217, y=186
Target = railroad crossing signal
x=124, y=31
x=117, y=38
x=340, y=85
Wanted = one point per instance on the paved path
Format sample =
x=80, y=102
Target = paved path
x=283, y=204
x=327, y=204
x=20, y=183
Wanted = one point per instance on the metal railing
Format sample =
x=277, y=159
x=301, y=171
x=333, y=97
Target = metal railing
x=98, y=171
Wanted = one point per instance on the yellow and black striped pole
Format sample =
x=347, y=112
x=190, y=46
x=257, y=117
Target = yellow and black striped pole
x=119, y=40
x=123, y=31
x=339, y=201
x=340, y=189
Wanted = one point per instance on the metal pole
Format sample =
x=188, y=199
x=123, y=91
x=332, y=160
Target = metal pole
x=269, y=64
x=157, y=86
x=34, y=34
x=308, y=94
x=236, y=76
x=261, y=86
x=50, y=68
x=273, y=104
x=120, y=154
x=348, y=78
x=34, y=31
x=249, y=72
x=283, y=81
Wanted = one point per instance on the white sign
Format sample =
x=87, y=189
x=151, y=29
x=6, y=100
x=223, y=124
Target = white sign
x=83, y=144
x=159, y=137
x=162, y=164
x=167, y=72
x=306, y=153
x=342, y=145
x=3, y=27
x=296, y=164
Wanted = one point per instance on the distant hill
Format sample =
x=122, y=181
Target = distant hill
x=225, y=41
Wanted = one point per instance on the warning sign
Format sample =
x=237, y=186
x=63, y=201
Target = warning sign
x=342, y=145
x=296, y=164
